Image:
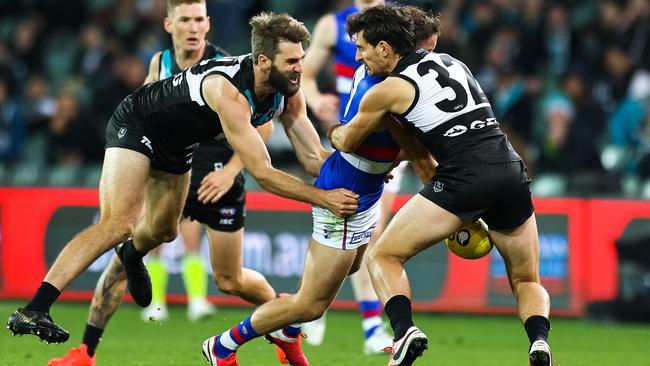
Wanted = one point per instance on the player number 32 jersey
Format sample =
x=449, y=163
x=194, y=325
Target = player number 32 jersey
x=450, y=114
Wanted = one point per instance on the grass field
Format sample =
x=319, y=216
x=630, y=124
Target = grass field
x=455, y=340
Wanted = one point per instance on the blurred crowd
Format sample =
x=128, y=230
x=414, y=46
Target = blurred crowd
x=568, y=80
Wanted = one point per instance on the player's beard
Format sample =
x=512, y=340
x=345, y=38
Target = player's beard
x=282, y=83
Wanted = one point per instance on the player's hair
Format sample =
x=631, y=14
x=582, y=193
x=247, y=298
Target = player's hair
x=171, y=4
x=384, y=23
x=426, y=23
x=269, y=29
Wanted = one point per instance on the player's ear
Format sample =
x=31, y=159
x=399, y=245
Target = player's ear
x=264, y=62
x=383, y=48
x=207, y=20
x=167, y=24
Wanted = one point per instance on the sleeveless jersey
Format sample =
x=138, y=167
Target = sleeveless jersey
x=450, y=114
x=344, y=57
x=173, y=109
x=210, y=155
x=362, y=171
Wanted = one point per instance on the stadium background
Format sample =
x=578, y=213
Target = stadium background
x=568, y=80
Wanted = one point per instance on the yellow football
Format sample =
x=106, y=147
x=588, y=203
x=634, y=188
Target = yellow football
x=471, y=241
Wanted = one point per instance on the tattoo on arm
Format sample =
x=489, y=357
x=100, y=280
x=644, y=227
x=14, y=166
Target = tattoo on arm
x=108, y=294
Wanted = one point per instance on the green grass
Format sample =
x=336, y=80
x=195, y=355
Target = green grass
x=455, y=340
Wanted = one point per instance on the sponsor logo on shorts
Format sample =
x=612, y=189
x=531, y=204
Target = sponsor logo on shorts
x=226, y=221
x=228, y=211
x=145, y=140
x=328, y=231
x=359, y=237
x=438, y=186
x=121, y=132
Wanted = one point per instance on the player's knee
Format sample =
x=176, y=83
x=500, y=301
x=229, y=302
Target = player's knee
x=165, y=233
x=227, y=284
x=119, y=230
x=313, y=312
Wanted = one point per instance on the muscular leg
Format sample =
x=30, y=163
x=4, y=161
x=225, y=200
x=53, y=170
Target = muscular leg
x=417, y=226
x=361, y=283
x=520, y=251
x=228, y=273
x=165, y=196
x=325, y=270
x=108, y=294
x=121, y=194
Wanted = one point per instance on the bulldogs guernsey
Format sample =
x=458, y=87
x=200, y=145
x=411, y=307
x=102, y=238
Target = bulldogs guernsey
x=363, y=171
x=344, y=57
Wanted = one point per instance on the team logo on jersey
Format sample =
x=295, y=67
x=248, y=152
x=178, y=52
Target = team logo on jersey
x=438, y=186
x=228, y=211
x=456, y=131
x=121, y=132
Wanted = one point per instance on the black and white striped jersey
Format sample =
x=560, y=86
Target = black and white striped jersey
x=174, y=110
x=450, y=114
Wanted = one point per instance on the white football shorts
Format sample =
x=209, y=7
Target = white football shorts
x=344, y=233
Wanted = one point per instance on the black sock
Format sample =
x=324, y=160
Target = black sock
x=537, y=327
x=131, y=254
x=92, y=336
x=398, y=309
x=43, y=299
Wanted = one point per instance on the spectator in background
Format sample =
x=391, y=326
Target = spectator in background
x=531, y=54
x=38, y=105
x=93, y=55
x=566, y=148
x=127, y=72
x=12, y=126
x=72, y=138
x=27, y=44
x=480, y=23
x=625, y=93
x=559, y=39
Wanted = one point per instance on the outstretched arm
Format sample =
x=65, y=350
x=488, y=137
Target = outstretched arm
x=217, y=183
x=234, y=112
x=303, y=135
x=393, y=95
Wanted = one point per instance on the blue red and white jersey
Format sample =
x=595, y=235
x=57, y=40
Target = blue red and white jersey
x=344, y=57
x=362, y=171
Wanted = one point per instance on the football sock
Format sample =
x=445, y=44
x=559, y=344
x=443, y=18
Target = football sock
x=230, y=340
x=371, y=314
x=398, y=309
x=43, y=299
x=537, y=328
x=159, y=276
x=292, y=330
x=92, y=336
x=131, y=254
x=194, y=277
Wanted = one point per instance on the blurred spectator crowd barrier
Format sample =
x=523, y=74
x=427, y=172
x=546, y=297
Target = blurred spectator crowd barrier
x=568, y=80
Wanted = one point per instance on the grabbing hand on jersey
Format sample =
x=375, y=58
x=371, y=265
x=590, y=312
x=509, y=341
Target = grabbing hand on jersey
x=341, y=202
x=215, y=185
